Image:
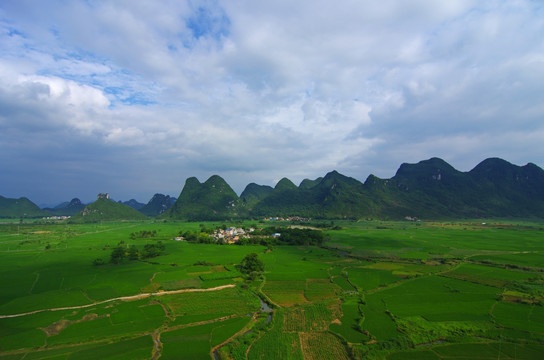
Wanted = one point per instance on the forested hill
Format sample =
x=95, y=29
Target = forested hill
x=104, y=209
x=430, y=189
x=21, y=207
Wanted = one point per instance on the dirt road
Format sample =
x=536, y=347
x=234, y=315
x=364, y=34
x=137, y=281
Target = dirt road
x=122, y=298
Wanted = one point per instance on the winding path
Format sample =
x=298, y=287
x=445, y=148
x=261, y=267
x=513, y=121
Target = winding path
x=122, y=298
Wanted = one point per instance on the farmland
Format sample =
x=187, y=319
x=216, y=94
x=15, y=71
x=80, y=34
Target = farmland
x=373, y=290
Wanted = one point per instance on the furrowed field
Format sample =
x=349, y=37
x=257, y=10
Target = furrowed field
x=374, y=290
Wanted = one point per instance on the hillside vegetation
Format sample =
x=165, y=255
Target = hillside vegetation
x=430, y=189
x=106, y=210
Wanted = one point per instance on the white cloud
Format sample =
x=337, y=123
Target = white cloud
x=274, y=88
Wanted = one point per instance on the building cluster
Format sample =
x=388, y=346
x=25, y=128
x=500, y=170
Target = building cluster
x=231, y=235
x=290, y=218
x=56, y=217
x=62, y=217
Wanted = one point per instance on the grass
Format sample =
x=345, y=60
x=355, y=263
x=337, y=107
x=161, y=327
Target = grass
x=520, y=316
x=349, y=327
x=196, y=342
x=322, y=346
x=368, y=279
x=194, y=307
x=387, y=290
x=438, y=299
x=276, y=343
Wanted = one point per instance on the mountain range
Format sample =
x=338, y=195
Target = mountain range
x=430, y=189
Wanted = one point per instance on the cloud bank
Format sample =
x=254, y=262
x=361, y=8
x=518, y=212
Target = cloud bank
x=133, y=97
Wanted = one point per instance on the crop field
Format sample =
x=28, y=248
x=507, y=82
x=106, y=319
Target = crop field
x=374, y=290
x=322, y=346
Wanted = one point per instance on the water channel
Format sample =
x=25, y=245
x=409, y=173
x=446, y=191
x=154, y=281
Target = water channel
x=265, y=308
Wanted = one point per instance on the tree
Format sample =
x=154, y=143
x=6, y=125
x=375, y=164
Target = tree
x=150, y=251
x=133, y=253
x=251, y=264
x=117, y=255
x=98, y=262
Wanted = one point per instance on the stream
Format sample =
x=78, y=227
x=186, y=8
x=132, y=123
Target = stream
x=265, y=308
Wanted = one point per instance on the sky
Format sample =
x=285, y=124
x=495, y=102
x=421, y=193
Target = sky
x=132, y=97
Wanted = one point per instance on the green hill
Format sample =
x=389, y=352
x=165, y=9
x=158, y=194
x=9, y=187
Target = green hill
x=285, y=184
x=211, y=200
x=158, y=204
x=253, y=193
x=342, y=196
x=307, y=183
x=104, y=209
x=286, y=199
x=19, y=208
x=509, y=190
x=434, y=189
x=430, y=189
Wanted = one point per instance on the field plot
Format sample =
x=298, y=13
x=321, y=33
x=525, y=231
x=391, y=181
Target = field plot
x=487, y=351
x=519, y=351
x=319, y=289
x=322, y=346
x=133, y=349
x=343, y=283
x=312, y=263
x=438, y=299
x=349, y=325
x=194, y=307
x=314, y=317
x=415, y=354
x=368, y=279
x=276, y=343
x=378, y=324
x=376, y=290
x=196, y=342
x=286, y=293
x=520, y=316
x=106, y=321
x=488, y=275
x=519, y=258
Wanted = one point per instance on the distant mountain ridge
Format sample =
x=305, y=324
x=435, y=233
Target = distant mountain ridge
x=158, y=204
x=136, y=205
x=66, y=208
x=429, y=189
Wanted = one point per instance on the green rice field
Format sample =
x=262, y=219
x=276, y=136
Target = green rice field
x=374, y=290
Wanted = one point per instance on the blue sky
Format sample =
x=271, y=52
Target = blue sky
x=132, y=97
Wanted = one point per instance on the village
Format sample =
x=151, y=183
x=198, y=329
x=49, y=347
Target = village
x=232, y=235
x=290, y=218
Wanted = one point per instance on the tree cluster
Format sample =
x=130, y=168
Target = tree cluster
x=251, y=266
x=196, y=237
x=121, y=253
x=143, y=234
x=290, y=236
